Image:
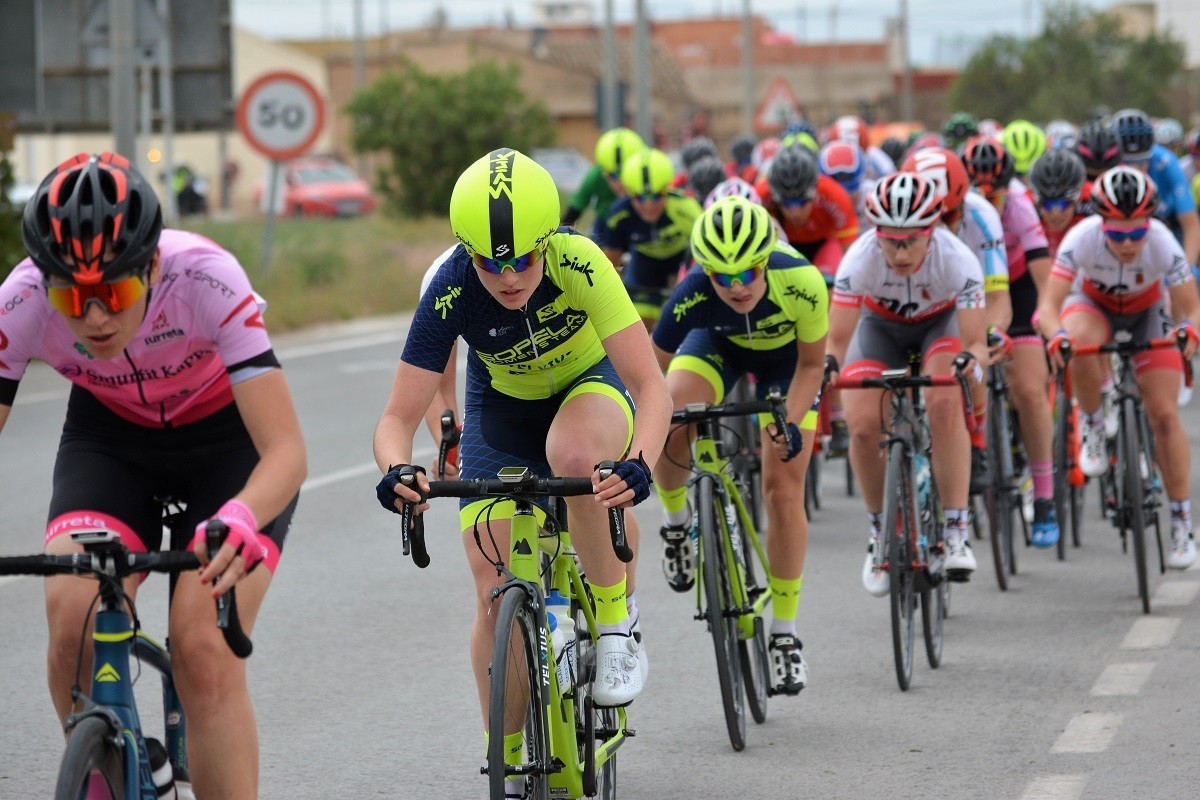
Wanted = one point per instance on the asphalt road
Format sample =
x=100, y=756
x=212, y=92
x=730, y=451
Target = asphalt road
x=1055, y=690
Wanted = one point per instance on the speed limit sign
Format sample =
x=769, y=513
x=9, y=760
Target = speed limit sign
x=281, y=115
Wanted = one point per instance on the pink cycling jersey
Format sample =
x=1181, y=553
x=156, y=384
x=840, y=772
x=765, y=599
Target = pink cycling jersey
x=202, y=319
x=1022, y=229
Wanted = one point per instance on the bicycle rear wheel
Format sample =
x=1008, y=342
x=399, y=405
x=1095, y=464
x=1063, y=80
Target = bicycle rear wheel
x=718, y=599
x=936, y=594
x=593, y=725
x=999, y=496
x=899, y=531
x=1063, y=461
x=90, y=751
x=756, y=662
x=517, y=701
x=1135, y=501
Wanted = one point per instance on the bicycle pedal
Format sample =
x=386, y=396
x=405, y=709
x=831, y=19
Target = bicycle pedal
x=958, y=575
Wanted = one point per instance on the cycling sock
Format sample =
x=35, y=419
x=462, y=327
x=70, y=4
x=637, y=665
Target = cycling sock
x=1043, y=479
x=785, y=601
x=1182, y=510
x=876, y=521
x=1095, y=419
x=1107, y=384
x=631, y=607
x=513, y=742
x=674, y=504
x=837, y=413
x=612, y=615
x=956, y=521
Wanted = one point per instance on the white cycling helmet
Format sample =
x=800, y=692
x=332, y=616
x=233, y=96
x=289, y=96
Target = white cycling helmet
x=733, y=187
x=904, y=200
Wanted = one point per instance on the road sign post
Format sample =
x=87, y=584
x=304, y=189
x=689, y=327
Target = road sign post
x=281, y=114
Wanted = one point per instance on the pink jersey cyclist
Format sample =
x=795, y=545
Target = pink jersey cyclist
x=1024, y=238
x=180, y=369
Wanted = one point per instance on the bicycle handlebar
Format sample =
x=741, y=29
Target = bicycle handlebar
x=703, y=412
x=1125, y=346
x=524, y=485
x=115, y=561
x=894, y=383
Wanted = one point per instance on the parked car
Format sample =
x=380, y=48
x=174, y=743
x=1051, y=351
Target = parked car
x=321, y=186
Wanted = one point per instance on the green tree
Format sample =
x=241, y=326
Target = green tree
x=1078, y=61
x=11, y=248
x=434, y=126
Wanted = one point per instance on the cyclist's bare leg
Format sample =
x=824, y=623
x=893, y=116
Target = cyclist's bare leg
x=1027, y=377
x=67, y=602
x=483, y=629
x=783, y=496
x=1086, y=327
x=1160, y=392
x=222, y=735
x=686, y=386
x=864, y=416
x=951, y=455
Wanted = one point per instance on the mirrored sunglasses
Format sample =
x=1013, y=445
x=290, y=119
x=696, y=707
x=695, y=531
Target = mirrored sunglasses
x=496, y=266
x=1057, y=203
x=745, y=277
x=113, y=296
x=1119, y=236
x=902, y=240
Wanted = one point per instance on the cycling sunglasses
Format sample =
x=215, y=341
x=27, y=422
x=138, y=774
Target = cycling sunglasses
x=1057, y=203
x=794, y=202
x=496, y=266
x=649, y=197
x=902, y=241
x=113, y=296
x=1120, y=237
x=745, y=277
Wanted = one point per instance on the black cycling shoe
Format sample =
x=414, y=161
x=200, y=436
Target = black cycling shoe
x=981, y=471
x=839, y=439
x=789, y=671
x=679, y=557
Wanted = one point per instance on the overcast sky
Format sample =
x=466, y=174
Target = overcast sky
x=943, y=31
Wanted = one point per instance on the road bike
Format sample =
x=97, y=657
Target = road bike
x=913, y=547
x=570, y=743
x=731, y=593
x=1137, y=486
x=1069, y=480
x=1003, y=496
x=105, y=741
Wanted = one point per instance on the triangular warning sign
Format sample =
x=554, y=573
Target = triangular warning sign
x=778, y=107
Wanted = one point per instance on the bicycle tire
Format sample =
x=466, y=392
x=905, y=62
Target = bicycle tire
x=1062, y=465
x=90, y=749
x=998, y=498
x=1134, y=495
x=935, y=596
x=718, y=597
x=898, y=526
x=507, y=703
x=756, y=661
x=590, y=718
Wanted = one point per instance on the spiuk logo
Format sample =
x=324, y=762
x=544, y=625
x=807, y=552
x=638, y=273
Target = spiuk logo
x=500, y=169
x=684, y=306
x=800, y=294
x=572, y=263
x=445, y=303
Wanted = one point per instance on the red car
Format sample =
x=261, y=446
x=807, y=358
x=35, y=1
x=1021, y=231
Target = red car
x=319, y=186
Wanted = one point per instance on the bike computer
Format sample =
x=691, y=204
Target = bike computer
x=513, y=474
x=97, y=536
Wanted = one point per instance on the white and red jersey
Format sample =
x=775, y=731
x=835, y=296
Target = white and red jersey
x=1116, y=287
x=202, y=321
x=950, y=277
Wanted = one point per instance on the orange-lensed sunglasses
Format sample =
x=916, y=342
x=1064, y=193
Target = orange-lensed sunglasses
x=114, y=296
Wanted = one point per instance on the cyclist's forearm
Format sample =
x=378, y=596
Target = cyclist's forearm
x=806, y=382
x=650, y=423
x=999, y=309
x=1189, y=224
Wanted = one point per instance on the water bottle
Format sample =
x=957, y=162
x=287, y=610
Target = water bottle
x=921, y=475
x=559, y=610
x=161, y=770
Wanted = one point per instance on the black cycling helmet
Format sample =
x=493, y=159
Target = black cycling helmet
x=93, y=219
x=1124, y=193
x=704, y=175
x=960, y=127
x=742, y=148
x=1058, y=174
x=793, y=174
x=695, y=149
x=989, y=167
x=1098, y=147
x=1135, y=133
x=894, y=149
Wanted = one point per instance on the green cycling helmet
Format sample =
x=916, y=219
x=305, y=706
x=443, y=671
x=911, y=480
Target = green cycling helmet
x=615, y=147
x=732, y=235
x=802, y=138
x=504, y=205
x=1024, y=141
x=647, y=172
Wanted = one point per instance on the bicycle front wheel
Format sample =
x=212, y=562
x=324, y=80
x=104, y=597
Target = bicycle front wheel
x=899, y=531
x=935, y=596
x=90, y=751
x=1063, y=461
x=718, y=597
x=1135, y=500
x=999, y=496
x=518, y=701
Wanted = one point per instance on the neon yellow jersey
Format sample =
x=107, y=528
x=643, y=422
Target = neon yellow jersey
x=669, y=236
x=530, y=353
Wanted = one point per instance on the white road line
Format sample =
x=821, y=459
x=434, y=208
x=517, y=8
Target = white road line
x=1088, y=733
x=1122, y=680
x=1150, y=632
x=419, y=455
x=1175, y=593
x=1055, y=787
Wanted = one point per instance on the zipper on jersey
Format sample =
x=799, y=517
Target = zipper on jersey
x=137, y=378
x=749, y=332
x=533, y=343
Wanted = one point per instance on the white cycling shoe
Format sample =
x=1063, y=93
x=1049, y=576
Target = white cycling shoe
x=960, y=561
x=1183, y=549
x=875, y=578
x=1093, y=457
x=620, y=674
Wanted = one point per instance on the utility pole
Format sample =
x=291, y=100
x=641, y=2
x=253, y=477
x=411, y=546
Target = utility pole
x=642, y=122
x=122, y=85
x=747, y=68
x=166, y=106
x=906, y=80
x=611, y=112
x=833, y=79
x=359, y=68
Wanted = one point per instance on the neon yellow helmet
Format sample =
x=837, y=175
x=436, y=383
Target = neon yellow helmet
x=647, y=172
x=802, y=138
x=1025, y=142
x=732, y=235
x=615, y=147
x=504, y=205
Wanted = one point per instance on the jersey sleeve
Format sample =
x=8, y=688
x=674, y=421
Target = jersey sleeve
x=1180, y=271
x=229, y=308
x=805, y=299
x=591, y=284
x=1066, y=266
x=848, y=290
x=992, y=254
x=617, y=226
x=1172, y=184
x=1029, y=228
x=22, y=323
x=440, y=316
x=684, y=310
x=842, y=214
